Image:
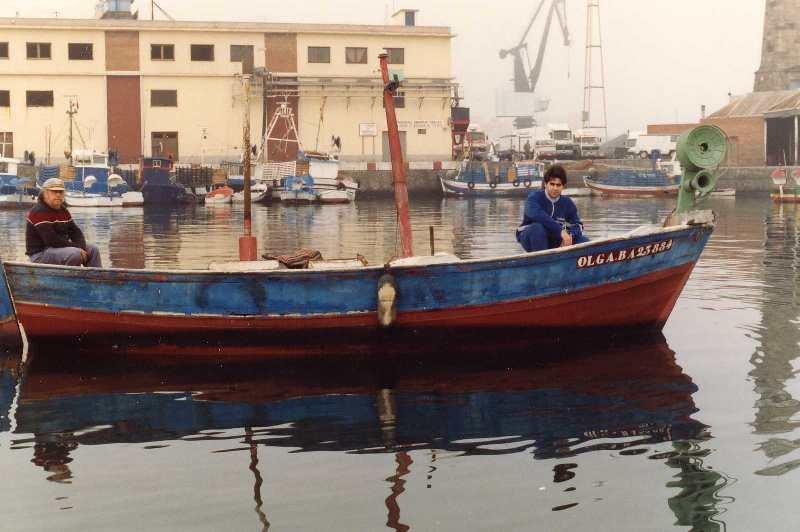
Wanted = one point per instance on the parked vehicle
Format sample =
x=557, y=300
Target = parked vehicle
x=558, y=144
x=587, y=144
x=645, y=146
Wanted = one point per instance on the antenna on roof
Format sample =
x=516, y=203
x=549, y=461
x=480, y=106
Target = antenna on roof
x=152, y=11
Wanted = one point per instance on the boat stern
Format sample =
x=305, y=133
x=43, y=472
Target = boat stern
x=10, y=337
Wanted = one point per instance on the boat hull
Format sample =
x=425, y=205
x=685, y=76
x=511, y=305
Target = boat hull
x=17, y=201
x=642, y=191
x=601, y=288
x=456, y=188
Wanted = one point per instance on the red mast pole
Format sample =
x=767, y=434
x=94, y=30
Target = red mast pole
x=398, y=165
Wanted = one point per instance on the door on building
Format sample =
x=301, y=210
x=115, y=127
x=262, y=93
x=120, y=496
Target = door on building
x=387, y=156
x=165, y=144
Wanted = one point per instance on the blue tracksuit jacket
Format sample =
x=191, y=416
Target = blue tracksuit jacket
x=554, y=216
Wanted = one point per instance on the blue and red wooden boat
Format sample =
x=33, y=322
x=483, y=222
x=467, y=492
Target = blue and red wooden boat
x=605, y=286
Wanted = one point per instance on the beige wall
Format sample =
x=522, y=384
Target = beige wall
x=209, y=93
x=425, y=57
x=184, y=66
x=30, y=124
x=215, y=105
x=343, y=121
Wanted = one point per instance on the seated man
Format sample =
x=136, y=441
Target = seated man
x=550, y=220
x=51, y=236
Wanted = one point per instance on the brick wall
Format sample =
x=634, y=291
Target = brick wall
x=668, y=129
x=281, y=52
x=122, y=50
x=124, y=117
x=746, y=139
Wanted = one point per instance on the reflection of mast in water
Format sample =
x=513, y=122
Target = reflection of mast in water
x=262, y=517
x=697, y=504
x=773, y=363
x=387, y=416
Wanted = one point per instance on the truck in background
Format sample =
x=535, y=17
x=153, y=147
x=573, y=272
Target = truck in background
x=643, y=146
x=587, y=143
x=558, y=143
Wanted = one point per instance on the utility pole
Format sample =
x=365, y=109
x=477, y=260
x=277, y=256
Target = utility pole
x=594, y=50
x=247, y=242
x=72, y=110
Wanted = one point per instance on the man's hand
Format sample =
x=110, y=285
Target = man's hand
x=84, y=257
x=566, y=239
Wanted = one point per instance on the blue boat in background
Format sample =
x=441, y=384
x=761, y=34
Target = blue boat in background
x=158, y=186
x=16, y=191
x=491, y=179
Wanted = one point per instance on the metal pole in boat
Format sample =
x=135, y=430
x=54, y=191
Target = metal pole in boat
x=398, y=165
x=247, y=242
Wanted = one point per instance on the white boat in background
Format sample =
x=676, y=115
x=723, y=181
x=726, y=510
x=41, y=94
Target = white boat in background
x=334, y=196
x=299, y=189
x=258, y=193
x=220, y=196
x=325, y=172
x=114, y=197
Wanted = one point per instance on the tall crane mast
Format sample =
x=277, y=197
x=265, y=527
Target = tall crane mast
x=594, y=118
x=525, y=76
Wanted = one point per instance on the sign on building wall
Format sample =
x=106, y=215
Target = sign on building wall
x=368, y=129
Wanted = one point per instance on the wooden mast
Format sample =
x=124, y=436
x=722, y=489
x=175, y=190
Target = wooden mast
x=398, y=165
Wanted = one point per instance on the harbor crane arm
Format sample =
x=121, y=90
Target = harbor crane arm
x=525, y=79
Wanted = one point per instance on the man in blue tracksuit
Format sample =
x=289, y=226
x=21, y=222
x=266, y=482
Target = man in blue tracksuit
x=550, y=220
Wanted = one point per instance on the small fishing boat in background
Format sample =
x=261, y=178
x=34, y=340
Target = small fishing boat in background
x=16, y=191
x=298, y=190
x=158, y=186
x=491, y=179
x=220, y=196
x=634, y=182
x=259, y=193
x=780, y=178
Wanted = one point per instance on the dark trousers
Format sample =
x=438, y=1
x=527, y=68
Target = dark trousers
x=535, y=238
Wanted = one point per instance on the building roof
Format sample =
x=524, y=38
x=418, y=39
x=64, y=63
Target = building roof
x=756, y=104
x=217, y=26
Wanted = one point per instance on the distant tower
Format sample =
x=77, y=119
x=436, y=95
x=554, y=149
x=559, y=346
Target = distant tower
x=115, y=9
x=594, y=86
x=780, y=53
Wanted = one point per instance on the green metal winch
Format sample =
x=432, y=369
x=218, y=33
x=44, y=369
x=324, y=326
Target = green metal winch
x=700, y=151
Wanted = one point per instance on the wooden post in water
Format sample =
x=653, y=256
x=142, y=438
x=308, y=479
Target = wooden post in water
x=247, y=242
x=398, y=165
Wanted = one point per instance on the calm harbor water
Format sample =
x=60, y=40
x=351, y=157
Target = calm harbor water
x=698, y=429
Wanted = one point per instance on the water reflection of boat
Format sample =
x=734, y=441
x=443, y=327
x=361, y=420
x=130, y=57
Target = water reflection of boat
x=434, y=403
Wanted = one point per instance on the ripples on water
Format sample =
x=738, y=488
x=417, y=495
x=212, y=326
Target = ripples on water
x=696, y=430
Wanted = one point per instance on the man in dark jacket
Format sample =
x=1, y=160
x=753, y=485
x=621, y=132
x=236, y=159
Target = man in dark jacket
x=550, y=220
x=51, y=236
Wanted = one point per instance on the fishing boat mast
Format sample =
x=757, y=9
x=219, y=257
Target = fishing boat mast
x=247, y=242
x=398, y=165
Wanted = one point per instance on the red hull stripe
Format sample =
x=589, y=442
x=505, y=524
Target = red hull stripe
x=647, y=300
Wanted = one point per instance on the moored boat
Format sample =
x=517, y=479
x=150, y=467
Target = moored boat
x=15, y=191
x=490, y=179
x=631, y=182
x=219, y=196
x=608, y=286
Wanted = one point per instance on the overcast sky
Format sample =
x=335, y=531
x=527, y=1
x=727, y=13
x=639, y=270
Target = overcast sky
x=663, y=58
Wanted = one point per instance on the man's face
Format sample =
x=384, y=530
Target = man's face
x=554, y=187
x=54, y=198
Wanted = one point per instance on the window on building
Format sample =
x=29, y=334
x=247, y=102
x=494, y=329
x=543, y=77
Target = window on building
x=355, y=55
x=79, y=51
x=163, y=98
x=240, y=52
x=422, y=132
x=319, y=54
x=38, y=50
x=3, y=50
x=5, y=98
x=162, y=52
x=39, y=98
x=399, y=100
x=397, y=56
x=202, y=52
x=6, y=144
